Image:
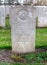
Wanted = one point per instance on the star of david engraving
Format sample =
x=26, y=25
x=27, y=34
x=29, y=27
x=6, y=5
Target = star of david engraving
x=23, y=38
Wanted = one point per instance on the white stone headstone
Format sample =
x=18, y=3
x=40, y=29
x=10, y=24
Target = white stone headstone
x=42, y=16
x=23, y=28
x=6, y=10
x=42, y=21
x=2, y=16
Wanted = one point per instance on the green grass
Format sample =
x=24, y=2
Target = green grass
x=36, y=57
x=3, y=63
x=41, y=37
x=5, y=38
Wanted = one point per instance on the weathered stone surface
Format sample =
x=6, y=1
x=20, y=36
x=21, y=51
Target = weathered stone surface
x=2, y=15
x=23, y=27
x=6, y=10
x=42, y=16
x=42, y=21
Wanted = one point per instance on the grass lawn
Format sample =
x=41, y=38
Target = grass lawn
x=41, y=37
x=2, y=63
x=41, y=41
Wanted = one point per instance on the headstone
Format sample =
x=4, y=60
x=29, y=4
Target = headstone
x=42, y=22
x=23, y=28
x=6, y=10
x=42, y=17
x=2, y=15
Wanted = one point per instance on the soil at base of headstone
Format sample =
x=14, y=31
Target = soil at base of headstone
x=5, y=55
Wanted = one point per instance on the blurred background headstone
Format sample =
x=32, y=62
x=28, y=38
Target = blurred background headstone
x=42, y=16
x=2, y=15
